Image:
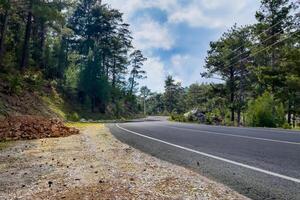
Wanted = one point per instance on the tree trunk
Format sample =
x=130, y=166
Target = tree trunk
x=93, y=102
x=294, y=120
x=239, y=117
x=2, y=39
x=289, y=112
x=114, y=74
x=42, y=45
x=25, y=51
x=232, y=116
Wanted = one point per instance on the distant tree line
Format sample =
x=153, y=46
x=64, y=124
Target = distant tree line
x=83, y=46
x=260, y=67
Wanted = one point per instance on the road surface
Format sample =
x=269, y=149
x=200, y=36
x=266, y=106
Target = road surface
x=259, y=163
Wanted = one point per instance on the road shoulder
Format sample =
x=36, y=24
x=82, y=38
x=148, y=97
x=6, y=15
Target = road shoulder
x=94, y=164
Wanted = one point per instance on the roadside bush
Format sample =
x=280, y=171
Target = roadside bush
x=178, y=118
x=74, y=117
x=287, y=126
x=265, y=111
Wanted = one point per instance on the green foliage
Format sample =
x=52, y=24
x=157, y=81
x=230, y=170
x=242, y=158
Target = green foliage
x=265, y=112
x=178, y=118
x=74, y=117
x=15, y=83
x=174, y=96
x=85, y=47
x=34, y=79
x=287, y=126
x=136, y=73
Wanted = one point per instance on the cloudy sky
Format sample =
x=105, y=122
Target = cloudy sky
x=174, y=34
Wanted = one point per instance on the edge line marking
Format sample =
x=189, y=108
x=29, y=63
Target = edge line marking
x=215, y=157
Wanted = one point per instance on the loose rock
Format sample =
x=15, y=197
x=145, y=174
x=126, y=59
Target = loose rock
x=29, y=127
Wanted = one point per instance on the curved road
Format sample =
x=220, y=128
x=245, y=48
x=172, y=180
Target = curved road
x=259, y=163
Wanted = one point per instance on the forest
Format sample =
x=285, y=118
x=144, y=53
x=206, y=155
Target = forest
x=82, y=48
x=258, y=70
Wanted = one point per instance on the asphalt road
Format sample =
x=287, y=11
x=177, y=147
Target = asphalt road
x=259, y=163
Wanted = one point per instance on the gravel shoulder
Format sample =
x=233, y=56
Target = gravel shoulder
x=95, y=165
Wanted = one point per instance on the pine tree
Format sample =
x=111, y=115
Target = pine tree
x=137, y=72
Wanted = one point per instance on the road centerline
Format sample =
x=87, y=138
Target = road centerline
x=233, y=135
x=214, y=157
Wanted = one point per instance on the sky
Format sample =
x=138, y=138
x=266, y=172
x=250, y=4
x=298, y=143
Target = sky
x=174, y=35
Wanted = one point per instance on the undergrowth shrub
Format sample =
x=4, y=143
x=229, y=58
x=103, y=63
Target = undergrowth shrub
x=74, y=117
x=178, y=118
x=15, y=83
x=265, y=111
x=34, y=79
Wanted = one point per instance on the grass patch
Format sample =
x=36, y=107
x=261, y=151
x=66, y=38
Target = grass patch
x=296, y=128
x=82, y=124
x=4, y=144
x=55, y=106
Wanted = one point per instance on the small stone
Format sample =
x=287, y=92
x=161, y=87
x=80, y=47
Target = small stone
x=50, y=183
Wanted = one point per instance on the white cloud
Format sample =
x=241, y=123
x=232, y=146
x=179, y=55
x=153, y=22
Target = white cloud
x=149, y=34
x=185, y=68
x=213, y=13
x=196, y=13
x=129, y=7
x=155, y=73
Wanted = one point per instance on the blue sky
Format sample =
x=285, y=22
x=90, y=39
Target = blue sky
x=174, y=34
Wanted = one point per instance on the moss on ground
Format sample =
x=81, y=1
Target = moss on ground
x=82, y=124
x=55, y=106
x=4, y=144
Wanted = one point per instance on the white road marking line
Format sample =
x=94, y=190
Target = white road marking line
x=232, y=135
x=215, y=157
x=268, y=130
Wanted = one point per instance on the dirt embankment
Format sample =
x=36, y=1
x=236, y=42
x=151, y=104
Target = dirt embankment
x=94, y=165
x=33, y=127
x=25, y=102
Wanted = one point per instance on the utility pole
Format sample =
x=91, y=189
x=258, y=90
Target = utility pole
x=144, y=93
x=145, y=105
